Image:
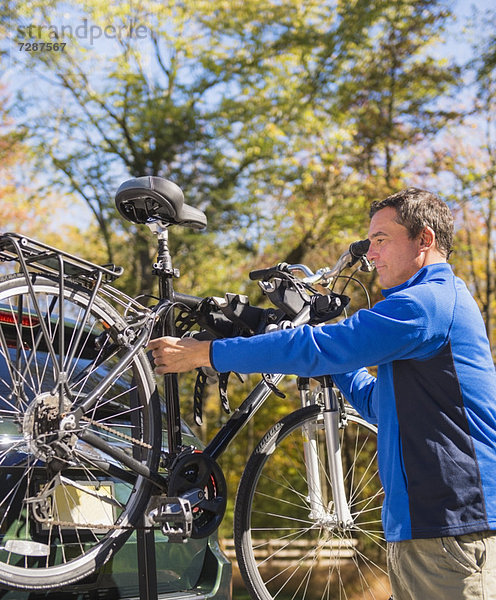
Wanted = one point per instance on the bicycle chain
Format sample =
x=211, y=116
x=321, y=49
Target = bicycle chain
x=117, y=433
x=73, y=525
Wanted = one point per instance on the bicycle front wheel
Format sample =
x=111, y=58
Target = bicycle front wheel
x=286, y=546
x=67, y=504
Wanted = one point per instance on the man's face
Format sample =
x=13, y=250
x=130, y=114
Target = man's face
x=396, y=256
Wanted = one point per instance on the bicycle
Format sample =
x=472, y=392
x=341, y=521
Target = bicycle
x=84, y=465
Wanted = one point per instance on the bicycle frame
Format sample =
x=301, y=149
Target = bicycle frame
x=165, y=272
x=332, y=415
x=57, y=262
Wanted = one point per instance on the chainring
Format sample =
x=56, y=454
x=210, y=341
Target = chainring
x=193, y=469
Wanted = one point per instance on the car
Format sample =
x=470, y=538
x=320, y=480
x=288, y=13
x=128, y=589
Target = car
x=147, y=565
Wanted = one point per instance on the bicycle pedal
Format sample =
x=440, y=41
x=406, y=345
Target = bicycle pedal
x=174, y=514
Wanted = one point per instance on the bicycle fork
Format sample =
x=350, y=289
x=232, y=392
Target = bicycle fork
x=335, y=514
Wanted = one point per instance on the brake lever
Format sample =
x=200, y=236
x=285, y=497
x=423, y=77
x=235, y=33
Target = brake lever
x=366, y=266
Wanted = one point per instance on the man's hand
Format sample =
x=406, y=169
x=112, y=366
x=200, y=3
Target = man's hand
x=177, y=355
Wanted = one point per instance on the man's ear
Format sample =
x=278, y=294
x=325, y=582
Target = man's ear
x=427, y=238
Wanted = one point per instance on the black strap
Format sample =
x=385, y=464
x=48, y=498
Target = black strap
x=223, y=379
x=201, y=380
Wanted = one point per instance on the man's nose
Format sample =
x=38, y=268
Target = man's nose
x=372, y=253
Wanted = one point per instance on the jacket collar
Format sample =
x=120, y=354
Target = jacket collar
x=427, y=273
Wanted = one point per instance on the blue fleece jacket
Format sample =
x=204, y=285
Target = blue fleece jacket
x=434, y=398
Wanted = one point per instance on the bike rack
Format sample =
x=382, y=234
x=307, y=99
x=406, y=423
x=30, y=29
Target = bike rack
x=46, y=259
x=147, y=564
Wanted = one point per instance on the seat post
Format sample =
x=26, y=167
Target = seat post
x=165, y=272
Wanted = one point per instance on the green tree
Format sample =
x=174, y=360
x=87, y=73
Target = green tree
x=259, y=110
x=464, y=165
x=18, y=208
x=184, y=114
x=396, y=90
x=369, y=96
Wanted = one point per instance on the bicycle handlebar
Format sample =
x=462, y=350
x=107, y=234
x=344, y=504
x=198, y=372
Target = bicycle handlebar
x=356, y=251
x=269, y=272
x=233, y=314
x=359, y=249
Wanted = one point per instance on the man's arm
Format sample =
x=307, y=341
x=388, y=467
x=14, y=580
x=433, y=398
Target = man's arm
x=177, y=355
x=358, y=388
x=392, y=330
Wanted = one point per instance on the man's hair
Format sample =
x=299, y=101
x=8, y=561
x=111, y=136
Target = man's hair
x=416, y=209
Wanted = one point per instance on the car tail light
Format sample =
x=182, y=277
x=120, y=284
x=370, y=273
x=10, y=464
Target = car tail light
x=11, y=318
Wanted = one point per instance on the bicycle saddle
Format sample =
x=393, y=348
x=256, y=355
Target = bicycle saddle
x=148, y=199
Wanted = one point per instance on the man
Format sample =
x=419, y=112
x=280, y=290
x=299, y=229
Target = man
x=434, y=398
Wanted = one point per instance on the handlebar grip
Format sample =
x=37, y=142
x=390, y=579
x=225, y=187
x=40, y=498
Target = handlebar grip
x=269, y=272
x=359, y=249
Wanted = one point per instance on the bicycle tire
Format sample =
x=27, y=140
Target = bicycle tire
x=63, y=514
x=282, y=551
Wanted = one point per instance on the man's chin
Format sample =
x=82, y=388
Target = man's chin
x=383, y=280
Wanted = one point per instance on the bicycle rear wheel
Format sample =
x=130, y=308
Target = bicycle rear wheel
x=288, y=549
x=66, y=505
